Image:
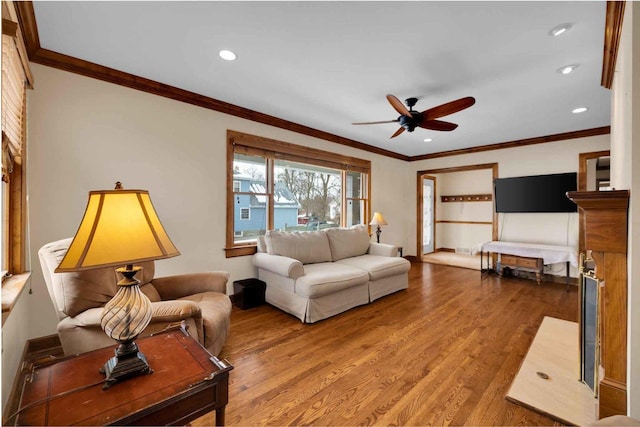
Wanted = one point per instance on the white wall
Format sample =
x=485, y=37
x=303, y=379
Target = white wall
x=625, y=133
x=85, y=135
x=15, y=332
x=457, y=235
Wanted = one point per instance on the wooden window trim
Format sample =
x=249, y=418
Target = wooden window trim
x=15, y=146
x=271, y=149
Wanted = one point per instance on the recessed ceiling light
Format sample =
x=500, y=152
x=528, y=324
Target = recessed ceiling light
x=579, y=110
x=227, y=55
x=428, y=140
x=559, y=29
x=567, y=69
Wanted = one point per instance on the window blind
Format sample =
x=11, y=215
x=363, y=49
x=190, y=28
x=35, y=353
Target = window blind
x=13, y=98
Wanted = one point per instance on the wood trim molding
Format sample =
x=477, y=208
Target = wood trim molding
x=518, y=143
x=582, y=166
x=582, y=186
x=612, y=32
x=460, y=168
x=70, y=64
x=9, y=28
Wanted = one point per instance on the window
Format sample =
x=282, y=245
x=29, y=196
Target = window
x=16, y=78
x=274, y=185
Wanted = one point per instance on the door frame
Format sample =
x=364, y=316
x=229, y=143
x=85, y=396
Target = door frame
x=582, y=186
x=427, y=172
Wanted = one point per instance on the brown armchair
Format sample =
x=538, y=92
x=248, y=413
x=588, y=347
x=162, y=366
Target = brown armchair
x=198, y=299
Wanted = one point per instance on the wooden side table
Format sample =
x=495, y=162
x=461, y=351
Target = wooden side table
x=513, y=261
x=187, y=382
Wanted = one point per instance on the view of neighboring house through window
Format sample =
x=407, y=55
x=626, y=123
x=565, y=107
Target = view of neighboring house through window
x=275, y=188
x=249, y=172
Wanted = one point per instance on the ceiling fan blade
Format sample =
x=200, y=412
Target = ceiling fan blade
x=398, y=105
x=448, y=108
x=398, y=132
x=438, y=125
x=376, y=123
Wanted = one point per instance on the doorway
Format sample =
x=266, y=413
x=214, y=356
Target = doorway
x=427, y=209
x=458, y=220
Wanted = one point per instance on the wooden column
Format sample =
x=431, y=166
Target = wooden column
x=605, y=234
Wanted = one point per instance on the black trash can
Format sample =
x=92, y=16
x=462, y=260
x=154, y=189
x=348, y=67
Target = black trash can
x=248, y=293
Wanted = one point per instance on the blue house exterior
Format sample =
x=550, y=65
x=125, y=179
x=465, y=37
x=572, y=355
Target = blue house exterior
x=250, y=216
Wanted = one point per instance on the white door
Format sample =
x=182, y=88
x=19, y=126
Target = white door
x=428, y=207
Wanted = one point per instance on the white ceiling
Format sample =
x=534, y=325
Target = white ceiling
x=328, y=64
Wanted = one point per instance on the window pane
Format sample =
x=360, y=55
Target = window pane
x=355, y=211
x=356, y=185
x=248, y=168
x=248, y=223
x=250, y=198
x=306, y=197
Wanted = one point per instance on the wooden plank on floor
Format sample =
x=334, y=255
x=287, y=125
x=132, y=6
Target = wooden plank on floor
x=555, y=352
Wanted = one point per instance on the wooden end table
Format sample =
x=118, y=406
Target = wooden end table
x=187, y=382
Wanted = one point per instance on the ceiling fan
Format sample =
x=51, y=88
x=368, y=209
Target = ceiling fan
x=410, y=119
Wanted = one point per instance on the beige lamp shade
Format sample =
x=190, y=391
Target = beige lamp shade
x=378, y=219
x=119, y=227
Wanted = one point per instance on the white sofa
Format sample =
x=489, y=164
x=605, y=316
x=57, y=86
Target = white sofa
x=318, y=274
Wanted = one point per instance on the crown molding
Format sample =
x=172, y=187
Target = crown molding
x=612, y=33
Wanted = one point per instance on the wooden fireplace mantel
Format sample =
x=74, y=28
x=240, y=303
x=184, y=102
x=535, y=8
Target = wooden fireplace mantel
x=605, y=218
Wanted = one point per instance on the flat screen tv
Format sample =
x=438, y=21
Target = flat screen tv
x=539, y=193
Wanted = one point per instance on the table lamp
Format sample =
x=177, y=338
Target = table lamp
x=378, y=220
x=120, y=228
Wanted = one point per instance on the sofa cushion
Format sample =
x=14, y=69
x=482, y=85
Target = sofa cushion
x=348, y=242
x=327, y=278
x=378, y=266
x=308, y=247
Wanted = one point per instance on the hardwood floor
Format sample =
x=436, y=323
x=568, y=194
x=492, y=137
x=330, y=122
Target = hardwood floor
x=443, y=352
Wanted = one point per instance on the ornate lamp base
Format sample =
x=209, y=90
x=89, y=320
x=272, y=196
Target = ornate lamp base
x=128, y=362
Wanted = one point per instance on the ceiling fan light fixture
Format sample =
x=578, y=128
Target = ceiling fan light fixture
x=227, y=55
x=579, y=110
x=567, y=69
x=559, y=29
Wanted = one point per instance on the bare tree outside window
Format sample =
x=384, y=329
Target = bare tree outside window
x=318, y=191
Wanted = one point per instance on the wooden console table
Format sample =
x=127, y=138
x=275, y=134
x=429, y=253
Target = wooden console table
x=187, y=382
x=529, y=255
